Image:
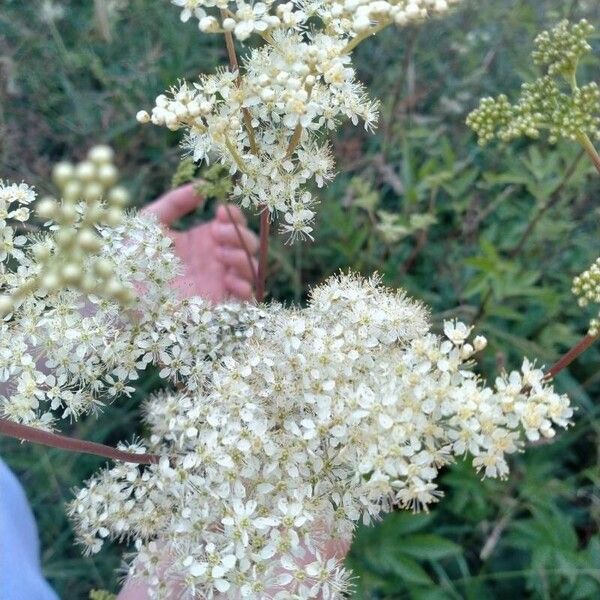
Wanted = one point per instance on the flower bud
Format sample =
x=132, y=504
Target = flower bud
x=89, y=241
x=86, y=170
x=103, y=268
x=72, y=191
x=228, y=24
x=6, y=305
x=40, y=251
x=71, y=273
x=67, y=214
x=93, y=192
x=142, y=117
x=118, y=196
x=101, y=154
x=50, y=282
x=62, y=173
x=479, y=343
x=108, y=174
x=46, y=208
x=65, y=237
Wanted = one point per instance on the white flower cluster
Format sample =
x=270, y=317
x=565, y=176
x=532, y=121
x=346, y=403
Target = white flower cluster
x=347, y=17
x=64, y=352
x=324, y=417
x=265, y=122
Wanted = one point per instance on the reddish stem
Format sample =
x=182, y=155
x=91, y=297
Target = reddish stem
x=571, y=355
x=38, y=436
x=244, y=246
x=263, y=254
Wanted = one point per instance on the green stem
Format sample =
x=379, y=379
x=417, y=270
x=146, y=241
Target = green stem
x=364, y=35
x=239, y=161
x=590, y=149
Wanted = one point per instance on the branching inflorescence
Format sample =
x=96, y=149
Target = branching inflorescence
x=586, y=287
x=554, y=103
x=267, y=120
x=281, y=428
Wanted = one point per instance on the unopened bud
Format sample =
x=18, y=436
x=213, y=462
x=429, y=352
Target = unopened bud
x=466, y=351
x=93, y=192
x=108, y=175
x=6, y=305
x=46, y=208
x=118, y=196
x=113, y=216
x=41, y=251
x=142, y=117
x=62, y=173
x=68, y=214
x=89, y=241
x=101, y=154
x=479, y=343
x=72, y=191
x=50, y=282
x=103, y=268
x=86, y=170
x=71, y=273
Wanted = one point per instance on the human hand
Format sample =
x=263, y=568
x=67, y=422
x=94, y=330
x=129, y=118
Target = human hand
x=216, y=266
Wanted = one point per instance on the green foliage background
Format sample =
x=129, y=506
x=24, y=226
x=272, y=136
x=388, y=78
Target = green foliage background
x=491, y=236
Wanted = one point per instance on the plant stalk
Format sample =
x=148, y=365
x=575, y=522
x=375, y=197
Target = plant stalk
x=263, y=254
x=590, y=149
x=571, y=355
x=63, y=442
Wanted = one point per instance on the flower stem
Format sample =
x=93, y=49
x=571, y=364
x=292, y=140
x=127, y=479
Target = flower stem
x=63, y=442
x=585, y=141
x=234, y=65
x=571, y=355
x=294, y=141
x=364, y=35
x=243, y=245
x=263, y=254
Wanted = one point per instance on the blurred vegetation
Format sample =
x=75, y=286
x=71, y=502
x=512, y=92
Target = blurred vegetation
x=492, y=236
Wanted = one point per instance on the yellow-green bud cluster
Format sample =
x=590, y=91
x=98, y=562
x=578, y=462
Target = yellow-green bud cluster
x=587, y=289
x=546, y=104
x=71, y=256
x=561, y=48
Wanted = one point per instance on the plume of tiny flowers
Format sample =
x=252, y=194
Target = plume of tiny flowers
x=266, y=121
x=66, y=349
x=553, y=103
x=325, y=417
x=586, y=287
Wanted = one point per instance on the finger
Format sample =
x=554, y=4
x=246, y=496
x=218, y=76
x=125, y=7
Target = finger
x=237, y=287
x=225, y=234
x=237, y=260
x=226, y=213
x=175, y=204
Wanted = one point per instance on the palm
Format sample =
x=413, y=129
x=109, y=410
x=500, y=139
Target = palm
x=204, y=273
x=215, y=255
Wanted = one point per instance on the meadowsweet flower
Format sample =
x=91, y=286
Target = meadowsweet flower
x=298, y=82
x=323, y=417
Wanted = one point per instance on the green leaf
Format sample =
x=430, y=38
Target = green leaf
x=411, y=571
x=428, y=546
